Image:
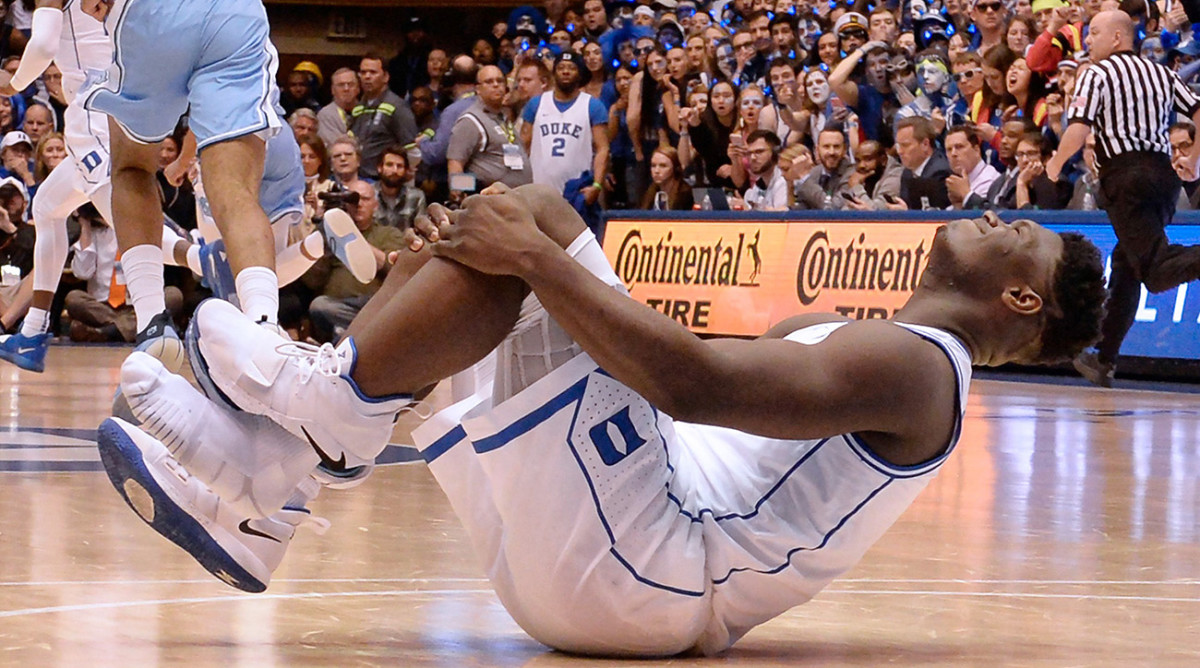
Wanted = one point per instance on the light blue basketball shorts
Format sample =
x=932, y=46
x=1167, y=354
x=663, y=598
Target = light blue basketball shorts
x=282, y=189
x=214, y=58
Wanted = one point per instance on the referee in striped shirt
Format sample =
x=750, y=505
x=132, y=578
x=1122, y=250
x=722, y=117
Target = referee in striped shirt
x=1127, y=102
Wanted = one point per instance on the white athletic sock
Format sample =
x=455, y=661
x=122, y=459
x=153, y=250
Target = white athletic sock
x=143, y=267
x=168, y=246
x=37, y=321
x=193, y=259
x=291, y=262
x=314, y=245
x=258, y=290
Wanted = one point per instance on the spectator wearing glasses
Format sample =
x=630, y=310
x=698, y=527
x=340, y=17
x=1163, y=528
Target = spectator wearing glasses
x=1185, y=159
x=746, y=59
x=851, y=29
x=55, y=97
x=1034, y=189
x=990, y=23
x=968, y=82
x=751, y=103
x=768, y=188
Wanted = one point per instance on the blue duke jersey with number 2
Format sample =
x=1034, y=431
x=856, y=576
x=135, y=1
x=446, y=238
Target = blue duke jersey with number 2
x=561, y=149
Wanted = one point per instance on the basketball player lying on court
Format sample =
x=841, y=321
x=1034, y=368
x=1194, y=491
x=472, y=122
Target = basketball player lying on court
x=631, y=489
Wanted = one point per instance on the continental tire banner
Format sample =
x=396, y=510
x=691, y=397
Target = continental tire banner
x=739, y=277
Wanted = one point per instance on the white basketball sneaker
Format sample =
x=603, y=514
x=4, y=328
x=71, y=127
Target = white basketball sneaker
x=241, y=552
x=306, y=389
x=251, y=462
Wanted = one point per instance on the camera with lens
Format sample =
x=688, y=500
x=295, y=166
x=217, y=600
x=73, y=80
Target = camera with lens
x=338, y=198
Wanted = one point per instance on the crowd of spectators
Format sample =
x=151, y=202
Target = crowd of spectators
x=779, y=104
x=764, y=105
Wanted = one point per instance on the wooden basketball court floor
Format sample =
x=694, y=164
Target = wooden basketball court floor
x=1064, y=532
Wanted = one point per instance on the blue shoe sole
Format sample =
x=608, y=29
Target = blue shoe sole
x=128, y=473
x=200, y=368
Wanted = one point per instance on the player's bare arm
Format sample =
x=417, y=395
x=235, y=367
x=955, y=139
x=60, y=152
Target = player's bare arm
x=869, y=377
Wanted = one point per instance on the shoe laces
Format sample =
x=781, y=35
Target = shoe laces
x=323, y=359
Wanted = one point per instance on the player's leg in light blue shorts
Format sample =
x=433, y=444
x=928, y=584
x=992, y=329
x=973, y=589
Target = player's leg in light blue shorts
x=220, y=64
x=219, y=68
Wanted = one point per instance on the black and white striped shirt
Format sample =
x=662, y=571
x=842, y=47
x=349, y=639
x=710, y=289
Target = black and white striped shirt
x=1128, y=101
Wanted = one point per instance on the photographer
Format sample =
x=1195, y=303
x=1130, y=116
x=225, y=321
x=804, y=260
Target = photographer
x=339, y=295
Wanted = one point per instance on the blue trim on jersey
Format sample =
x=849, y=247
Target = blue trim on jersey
x=884, y=467
x=824, y=541
x=443, y=444
x=650, y=583
x=699, y=517
x=579, y=387
x=572, y=394
x=74, y=44
x=533, y=419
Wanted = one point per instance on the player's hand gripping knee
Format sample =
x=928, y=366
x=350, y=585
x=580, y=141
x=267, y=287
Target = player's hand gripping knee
x=426, y=229
x=493, y=234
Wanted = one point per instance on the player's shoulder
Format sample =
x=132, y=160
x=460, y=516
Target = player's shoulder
x=873, y=346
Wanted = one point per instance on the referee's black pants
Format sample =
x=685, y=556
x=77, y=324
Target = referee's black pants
x=1140, y=190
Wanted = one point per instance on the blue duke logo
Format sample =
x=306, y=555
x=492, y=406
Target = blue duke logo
x=561, y=130
x=611, y=423
x=557, y=134
x=616, y=438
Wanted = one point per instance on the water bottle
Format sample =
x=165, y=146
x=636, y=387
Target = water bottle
x=706, y=205
x=925, y=205
x=1089, y=202
x=828, y=202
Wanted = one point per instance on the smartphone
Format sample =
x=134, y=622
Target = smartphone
x=891, y=198
x=848, y=197
x=737, y=140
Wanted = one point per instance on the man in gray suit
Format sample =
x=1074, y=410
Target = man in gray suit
x=822, y=188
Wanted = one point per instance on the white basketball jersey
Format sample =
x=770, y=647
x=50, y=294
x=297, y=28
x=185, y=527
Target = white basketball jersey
x=84, y=46
x=561, y=149
x=783, y=518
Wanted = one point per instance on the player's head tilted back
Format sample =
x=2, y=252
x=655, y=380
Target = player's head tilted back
x=1027, y=294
